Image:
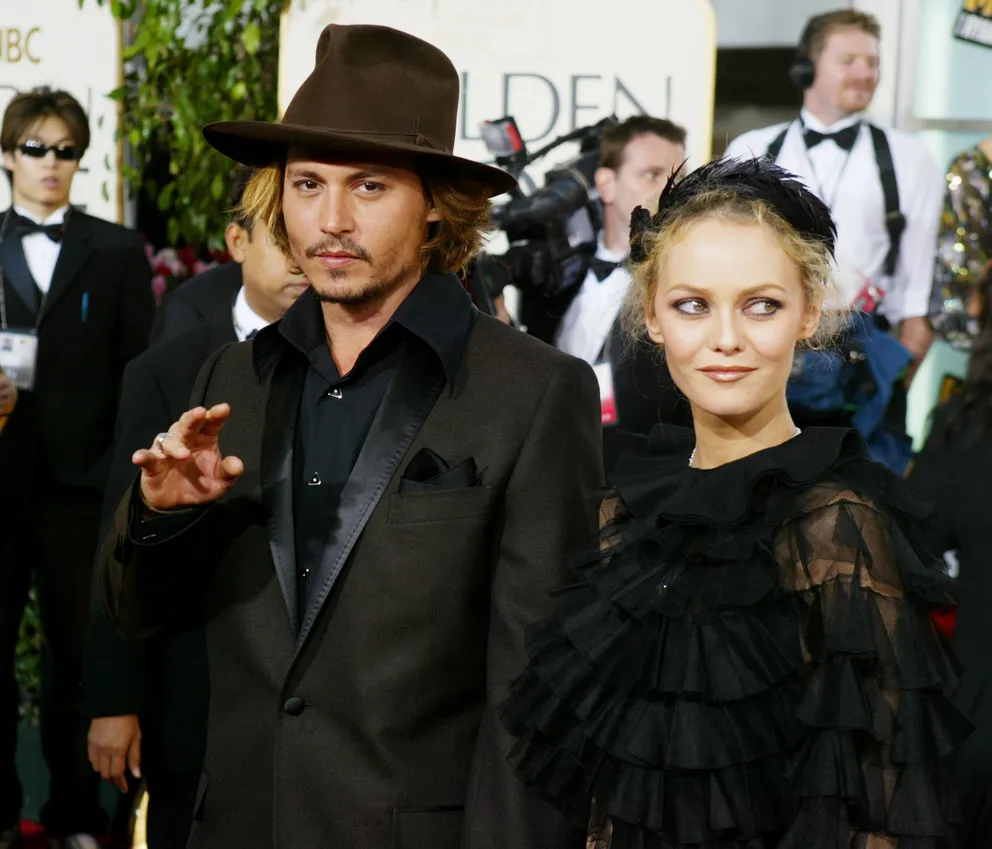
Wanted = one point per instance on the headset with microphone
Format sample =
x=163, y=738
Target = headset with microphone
x=802, y=71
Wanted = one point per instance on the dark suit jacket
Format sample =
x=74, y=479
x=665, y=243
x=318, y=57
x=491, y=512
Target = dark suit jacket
x=201, y=300
x=373, y=722
x=645, y=393
x=954, y=471
x=95, y=318
x=156, y=391
x=163, y=680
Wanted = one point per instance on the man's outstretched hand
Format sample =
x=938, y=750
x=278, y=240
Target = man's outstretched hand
x=185, y=468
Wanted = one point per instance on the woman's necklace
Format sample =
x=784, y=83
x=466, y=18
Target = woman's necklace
x=692, y=456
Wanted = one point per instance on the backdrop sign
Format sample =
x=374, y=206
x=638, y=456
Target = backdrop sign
x=974, y=22
x=55, y=43
x=554, y=65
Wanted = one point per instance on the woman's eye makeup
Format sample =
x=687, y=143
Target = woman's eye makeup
x=691, y=306
x=755, y=307
x=763, y=307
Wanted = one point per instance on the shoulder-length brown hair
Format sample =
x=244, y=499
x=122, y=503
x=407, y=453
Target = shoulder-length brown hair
x=451, y=243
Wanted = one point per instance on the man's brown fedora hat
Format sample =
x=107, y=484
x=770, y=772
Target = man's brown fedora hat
x=375, y=90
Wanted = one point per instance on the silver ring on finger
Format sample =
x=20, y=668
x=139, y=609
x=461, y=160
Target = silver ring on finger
x=161, y=438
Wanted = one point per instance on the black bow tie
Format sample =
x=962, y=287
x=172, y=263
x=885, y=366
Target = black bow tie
x=25, y=227
x=602, y=268
x=844, y=139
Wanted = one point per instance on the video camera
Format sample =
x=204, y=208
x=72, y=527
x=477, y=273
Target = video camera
x=552, y=230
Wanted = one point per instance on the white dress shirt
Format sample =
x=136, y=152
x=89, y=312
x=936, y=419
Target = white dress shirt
x=586, y=324
x=246, y=320
x=40, y=252
x=849, y=184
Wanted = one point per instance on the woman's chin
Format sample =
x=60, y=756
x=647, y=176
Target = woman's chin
x=732, y=405
x=727, y=412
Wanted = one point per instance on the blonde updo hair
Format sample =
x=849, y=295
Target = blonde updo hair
x=811, y=256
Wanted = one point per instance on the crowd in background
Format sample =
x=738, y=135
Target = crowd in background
x=110, y=372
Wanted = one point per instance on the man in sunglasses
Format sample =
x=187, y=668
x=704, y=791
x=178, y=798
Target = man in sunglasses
x=76, y=294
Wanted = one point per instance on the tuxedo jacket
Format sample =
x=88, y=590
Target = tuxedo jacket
x=94, y=319
x=645, y=393
x=202, y=300
x=372, y=721
x=163, y=680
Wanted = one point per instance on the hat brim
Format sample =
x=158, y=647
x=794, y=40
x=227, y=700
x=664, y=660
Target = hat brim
x=257, y=143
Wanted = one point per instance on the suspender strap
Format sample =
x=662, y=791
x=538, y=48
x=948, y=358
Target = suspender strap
x=775, y=148
x=895, y=221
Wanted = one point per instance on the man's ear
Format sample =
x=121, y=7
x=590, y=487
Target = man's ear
x=8, y=161
x=237, y=239
x=606, y=184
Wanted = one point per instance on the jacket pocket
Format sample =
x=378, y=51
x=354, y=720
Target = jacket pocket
x=440, y=505
x=437, y=827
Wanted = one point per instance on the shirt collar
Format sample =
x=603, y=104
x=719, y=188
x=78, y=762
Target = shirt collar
x=246, y=320
x=813, y=123
x=57, y=217
x=604, y=253
x=438, y=311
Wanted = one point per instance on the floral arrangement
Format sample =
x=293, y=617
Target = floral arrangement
x=171, y=266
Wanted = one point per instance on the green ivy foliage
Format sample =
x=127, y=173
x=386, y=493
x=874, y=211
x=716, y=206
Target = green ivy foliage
x=192, y=62
x=27, y=661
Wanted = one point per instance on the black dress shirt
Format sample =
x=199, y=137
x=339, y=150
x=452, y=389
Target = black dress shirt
x=336, y=411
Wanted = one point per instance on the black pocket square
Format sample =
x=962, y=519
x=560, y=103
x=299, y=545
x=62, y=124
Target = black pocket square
x=428, y=471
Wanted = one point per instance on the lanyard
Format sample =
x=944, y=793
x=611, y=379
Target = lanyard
x=3, y=299
x=818, y=187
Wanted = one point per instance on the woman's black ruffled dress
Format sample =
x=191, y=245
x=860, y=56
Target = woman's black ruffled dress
x=748, y=661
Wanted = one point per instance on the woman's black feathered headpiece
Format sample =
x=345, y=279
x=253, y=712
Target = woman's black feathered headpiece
x=757, y=179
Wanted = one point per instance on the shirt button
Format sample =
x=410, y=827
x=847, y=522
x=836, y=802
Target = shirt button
x=294, y=706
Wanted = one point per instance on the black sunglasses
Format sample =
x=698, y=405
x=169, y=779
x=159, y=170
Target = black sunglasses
x=37, y=150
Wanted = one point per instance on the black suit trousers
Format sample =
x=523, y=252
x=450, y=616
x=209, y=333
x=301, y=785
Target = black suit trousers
x=51, y=536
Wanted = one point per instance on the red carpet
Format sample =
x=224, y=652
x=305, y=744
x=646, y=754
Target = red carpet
x=34, y=837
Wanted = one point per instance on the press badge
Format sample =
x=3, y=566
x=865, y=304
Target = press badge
x=19, y=356
x=607, y=395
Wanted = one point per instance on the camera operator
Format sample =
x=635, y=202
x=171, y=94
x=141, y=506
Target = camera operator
x=637, y=157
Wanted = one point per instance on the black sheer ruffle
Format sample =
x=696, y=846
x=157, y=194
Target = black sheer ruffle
x=748, y=662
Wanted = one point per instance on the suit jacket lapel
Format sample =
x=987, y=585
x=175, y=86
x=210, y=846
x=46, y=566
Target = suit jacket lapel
x=17, y=274
x=76, y=247
x=412, y=393
x=281, y=413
